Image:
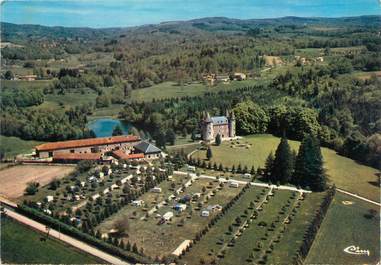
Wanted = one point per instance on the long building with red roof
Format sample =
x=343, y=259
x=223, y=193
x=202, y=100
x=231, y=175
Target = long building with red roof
x=88, y=146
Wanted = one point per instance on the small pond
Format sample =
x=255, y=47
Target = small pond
x=105, y=127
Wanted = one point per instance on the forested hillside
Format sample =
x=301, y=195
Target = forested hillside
x=314, y=75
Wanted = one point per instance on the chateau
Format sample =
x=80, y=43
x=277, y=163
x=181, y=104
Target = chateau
x=222, y=125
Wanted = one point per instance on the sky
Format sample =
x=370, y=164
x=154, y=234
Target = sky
x=123, y=13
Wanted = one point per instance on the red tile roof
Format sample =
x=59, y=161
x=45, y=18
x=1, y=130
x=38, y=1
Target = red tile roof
x=87, y=142
x=119, y=154
x=77, y=156
x=134, y=156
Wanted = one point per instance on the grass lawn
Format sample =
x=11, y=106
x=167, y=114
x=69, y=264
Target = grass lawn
x=68, y=100
x=13, y=146
x=186, y=148
x=366, y=75
x=108, y=112
x=343, y=226
x=20, y=244
x=253, y=150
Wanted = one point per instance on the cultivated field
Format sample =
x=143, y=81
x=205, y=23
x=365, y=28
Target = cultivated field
x=253, y=150
x=348, y=222
x=14, y=179
x=22, y=245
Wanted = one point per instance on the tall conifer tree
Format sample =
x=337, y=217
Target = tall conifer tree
x=269, y=165
x=309, y=169
x=283, y=164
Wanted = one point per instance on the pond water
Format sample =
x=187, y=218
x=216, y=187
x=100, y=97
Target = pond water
x=105, y=127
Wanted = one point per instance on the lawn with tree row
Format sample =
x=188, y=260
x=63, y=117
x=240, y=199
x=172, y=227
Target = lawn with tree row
x=253, y=151
x=20, y=244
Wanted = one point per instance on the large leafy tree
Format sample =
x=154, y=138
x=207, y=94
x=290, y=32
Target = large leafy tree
x=251, y=118
x=283, y=163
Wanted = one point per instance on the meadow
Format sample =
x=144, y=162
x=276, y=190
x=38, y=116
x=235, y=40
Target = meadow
x=253, y=151
x=11, y=146
x=21, y=245
x=173, y=90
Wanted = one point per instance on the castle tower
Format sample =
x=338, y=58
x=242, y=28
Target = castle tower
x=207, y=128
x=231, y=119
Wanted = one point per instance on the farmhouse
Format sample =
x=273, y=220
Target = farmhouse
x=126, y=147
x=86, y=146
x=218, y=125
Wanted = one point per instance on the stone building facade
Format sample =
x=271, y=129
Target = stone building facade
x=222, y=125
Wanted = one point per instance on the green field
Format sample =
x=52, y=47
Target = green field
x=343, y=226
x=253, y=150
x=25, y=84
x=108, y=112
x=172, y=90
x=20, y=244
x=13, y=146
x=68, y=100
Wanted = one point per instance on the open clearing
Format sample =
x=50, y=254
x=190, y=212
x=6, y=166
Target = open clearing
x=21, y=245
x=253, y=150
x=14, y=179
x=343, y=226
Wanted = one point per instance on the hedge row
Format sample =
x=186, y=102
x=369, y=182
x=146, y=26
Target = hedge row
x=313, y=228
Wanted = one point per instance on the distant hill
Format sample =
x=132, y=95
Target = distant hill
x=14, y=32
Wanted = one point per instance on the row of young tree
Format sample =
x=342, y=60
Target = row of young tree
x=304, y=169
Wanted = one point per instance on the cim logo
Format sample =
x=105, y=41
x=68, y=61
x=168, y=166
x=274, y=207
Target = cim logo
x=356, y=251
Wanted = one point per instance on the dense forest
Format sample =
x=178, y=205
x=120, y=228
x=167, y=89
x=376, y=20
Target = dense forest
x=305, y=95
